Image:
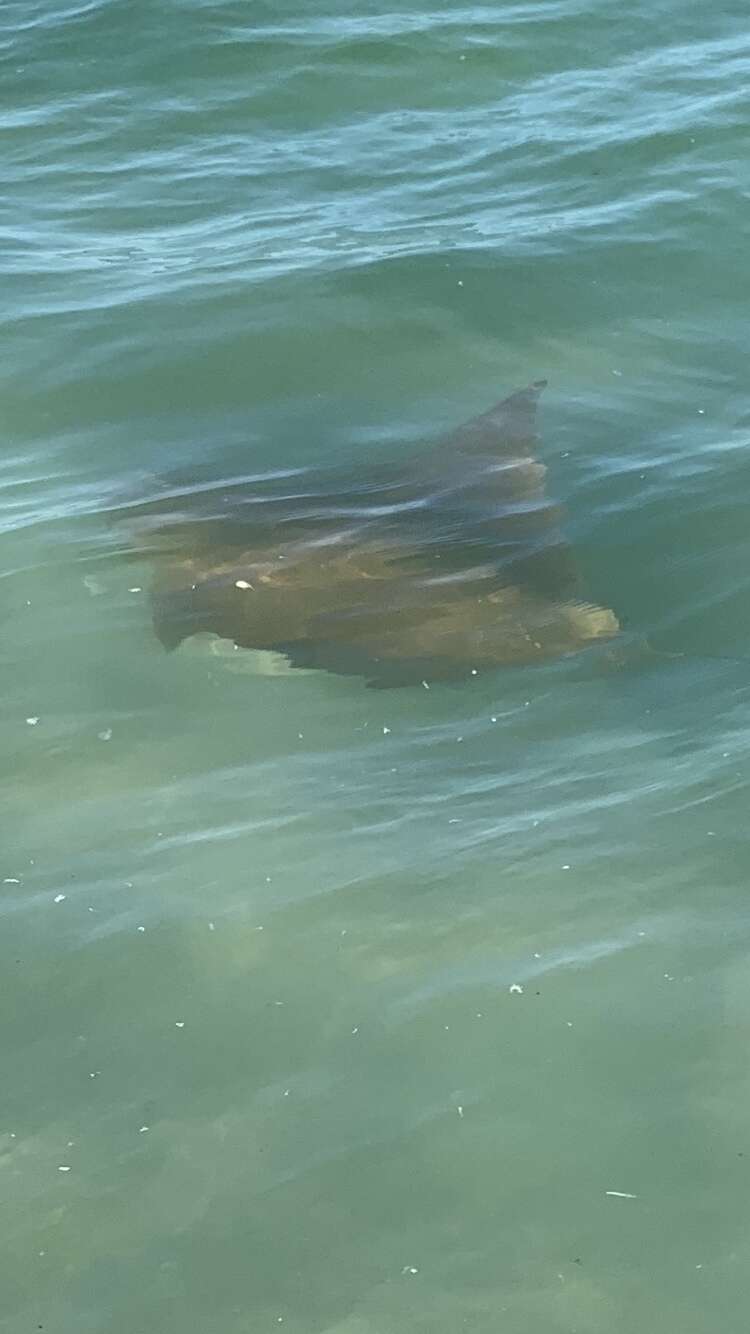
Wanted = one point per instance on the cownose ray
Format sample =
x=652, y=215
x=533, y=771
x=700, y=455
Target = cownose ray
x=448, y=565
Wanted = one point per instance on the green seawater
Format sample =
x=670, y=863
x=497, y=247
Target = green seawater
x=328, y=1010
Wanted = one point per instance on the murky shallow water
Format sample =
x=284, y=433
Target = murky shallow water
x=347, y=1011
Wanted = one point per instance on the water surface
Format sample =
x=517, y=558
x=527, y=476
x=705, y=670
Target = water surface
x=345, y=1011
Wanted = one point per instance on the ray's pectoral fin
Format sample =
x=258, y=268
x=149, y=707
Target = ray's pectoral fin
x=507, y=430
x=550, y=569
x=506, y=435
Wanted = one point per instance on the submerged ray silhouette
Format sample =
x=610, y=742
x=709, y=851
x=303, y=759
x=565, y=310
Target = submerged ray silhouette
x=449, y=564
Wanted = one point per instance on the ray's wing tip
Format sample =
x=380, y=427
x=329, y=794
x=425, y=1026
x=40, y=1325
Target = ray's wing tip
x=527, y=396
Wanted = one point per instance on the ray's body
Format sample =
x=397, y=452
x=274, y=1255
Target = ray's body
x=451, y=564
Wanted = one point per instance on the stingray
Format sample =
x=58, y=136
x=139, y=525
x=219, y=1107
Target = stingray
x=447, y=565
